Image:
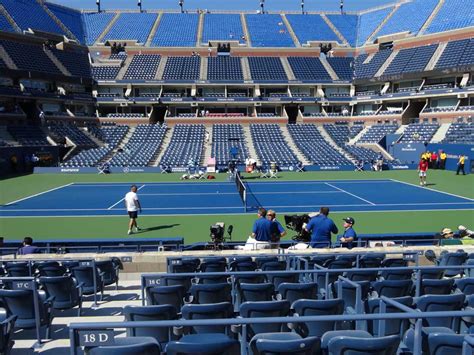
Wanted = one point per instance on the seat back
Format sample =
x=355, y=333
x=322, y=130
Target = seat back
x=208, y=311
x=203, y=345
x=243, y=265
x=393, y=288
x=371, y=260
x=307, y=346
x=261, y=260
x=435, y=303
x=277, y=279
x=110, y=273
x=63, y=289
x=332, y=264
x=141, y=348
x=436, y=287
x=317, y=308
x=20, y=303
x=357, y=346
x=396, y=274
x=85, y=275
x=18, y=270
x=361, y=275
x=264, y=309
x=177, y=280
x=52, y=270
x=297, y=291
x=274, y=266
x=150, y=313
x=7, y=325
x=394, y=262
x=445, y=344
x=453, y=259
x=466, y=285
x=349, y=293
x=213, y=266
x=166, y=295
x=211, y=293
x=392, y=326
x=256, y=292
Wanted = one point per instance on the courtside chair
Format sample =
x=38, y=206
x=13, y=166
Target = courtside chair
x=206, y=311
x=305, y=307
x=85, y=276
x=7, y=324
x=20, y=303
x=284, y=343
x=296, y=291
x=65, y=292
x=128, y=346
x=204, y=344
x=166, y=295
x=109, y=271
x=151, y=313
x=392, y=326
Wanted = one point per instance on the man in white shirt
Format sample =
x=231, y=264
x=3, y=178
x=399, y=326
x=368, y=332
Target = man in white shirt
x=132, y=204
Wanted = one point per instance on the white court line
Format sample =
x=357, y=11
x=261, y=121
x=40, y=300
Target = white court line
x=240, y=207
x=236, y=214
x=360, y=198
x=427, y=188
x=38, y=194
x=236, y=193
x=115, y=204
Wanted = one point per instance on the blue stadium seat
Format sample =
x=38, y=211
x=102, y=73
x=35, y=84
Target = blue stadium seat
x=222, y=27
x=347, y=342
x=366, y=70
x=293, y=292
x=71, y=18
x=268, y=30
x=186, y=145
x=85, y=277
x=284, y=343
x=210, y=293
x=65, y=291
x=207, y=311
x=393, y=288
x=132, y=26
x=304, y=307
x=255, y=292
x=346, y=25
x=433, y=303
x=142, y=67
x=436, y=287
x=224, y=68
x=166, y=35
x=392, y=326
x=311, y=28
x=445, y=344
x=94, y=24
x=342, y=66
x=465, y=285
x=7, y=326
x=452, y=15
x=267, y=68
x=128, y=346
x=166, y=295
x=264, y=309
x=182, y=68
x=204, y=344
x=368, y=22
x=308, y=68
x=150, y=313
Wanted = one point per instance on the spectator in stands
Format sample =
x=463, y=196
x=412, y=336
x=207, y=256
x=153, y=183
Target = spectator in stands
x=349, y=236
x=28, y=247
x=434, y=160
x=321, y=228
x=461, y=161
x=277, y=230
x=422, y=169
x=133, y=206
x=442, y=160
x=261, y=230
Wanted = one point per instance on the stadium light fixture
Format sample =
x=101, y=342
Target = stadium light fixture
x=341, y=5
x=140, y=5
x=262, y=6
x=302, y=7
x=181, y=4
x=97, y=2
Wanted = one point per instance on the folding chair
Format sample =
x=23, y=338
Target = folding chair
x=165, y=169
x=300, y=168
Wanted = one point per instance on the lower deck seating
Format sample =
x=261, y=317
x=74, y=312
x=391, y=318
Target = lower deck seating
x=419, y=132
x=224, y=138
x=375, y=133
x=28, y=135
x=271, y=146
x=186, y=146
x=460, y=133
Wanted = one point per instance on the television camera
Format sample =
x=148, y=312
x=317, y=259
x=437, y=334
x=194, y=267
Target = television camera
x=296, y=223
x=217, y=234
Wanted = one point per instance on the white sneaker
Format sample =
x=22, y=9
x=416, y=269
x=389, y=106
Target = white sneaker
x=137, y=229
x=129, y=232
x=421, y=184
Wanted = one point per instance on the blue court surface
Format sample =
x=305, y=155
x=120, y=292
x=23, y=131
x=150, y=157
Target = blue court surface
x=97, y=199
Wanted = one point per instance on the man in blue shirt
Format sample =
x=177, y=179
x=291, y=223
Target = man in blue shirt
x=261, y=230
x=321, y=228
x=349, y=238
x=277, y=230
x=28, y=247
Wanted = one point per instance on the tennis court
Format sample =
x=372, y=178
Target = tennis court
x=204, y=198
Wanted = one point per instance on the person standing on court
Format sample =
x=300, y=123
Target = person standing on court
x=261, y=230
x=461, y=161
x=321, y=228
x=442, y=160
x=277, y=230
x=132, y=204
x=422, y=169
x=349, y=238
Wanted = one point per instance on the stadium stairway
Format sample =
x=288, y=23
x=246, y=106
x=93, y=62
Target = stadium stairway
x=385, y=65
x=329, y=139
x=10, y=19
x=373, y=36
x=431, y=18
x=203, y=69
x=199, y=31
x=121, y=145
x=248, y=138
x=287, y=67
x=246, y=30
x=328, y=67
x=335, y=30
x=401, y=129
x=245, y=68
x=107, y=28
x=437, y=54
x=7, y=59
x=440, y=134
x=358, y=136
x=291, y=144
x=161, y=68
x=290, y=30
x=124, y=67
x=56, y=62
x=155, y=161
x=153, y=30
x=58, y=21
x=207, y=149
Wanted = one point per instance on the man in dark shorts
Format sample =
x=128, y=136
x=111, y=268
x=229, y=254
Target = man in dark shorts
x=132, y=204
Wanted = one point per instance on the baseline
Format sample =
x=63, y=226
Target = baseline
x=433, y=190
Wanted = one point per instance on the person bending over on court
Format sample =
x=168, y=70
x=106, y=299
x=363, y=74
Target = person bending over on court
x=461, y=161
x=261, y=230
x=349, y=238
x=132, y=204
x=422, y=169
x=28, y=247
x=277, y=230
x=321, y=228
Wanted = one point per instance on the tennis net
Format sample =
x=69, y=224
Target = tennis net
x=242, y=190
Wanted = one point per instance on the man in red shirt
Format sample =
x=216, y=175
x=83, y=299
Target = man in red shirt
x=422, y=168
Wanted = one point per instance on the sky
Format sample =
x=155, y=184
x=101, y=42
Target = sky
x=239, y=5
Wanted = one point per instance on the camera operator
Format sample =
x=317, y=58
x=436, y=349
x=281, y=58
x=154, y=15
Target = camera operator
x=321, y=228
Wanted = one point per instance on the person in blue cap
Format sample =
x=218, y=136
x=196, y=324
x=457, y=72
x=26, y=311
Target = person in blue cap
x=349, y=237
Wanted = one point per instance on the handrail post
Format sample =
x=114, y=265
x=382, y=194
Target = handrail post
x=94, y=281
x=417, y=345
